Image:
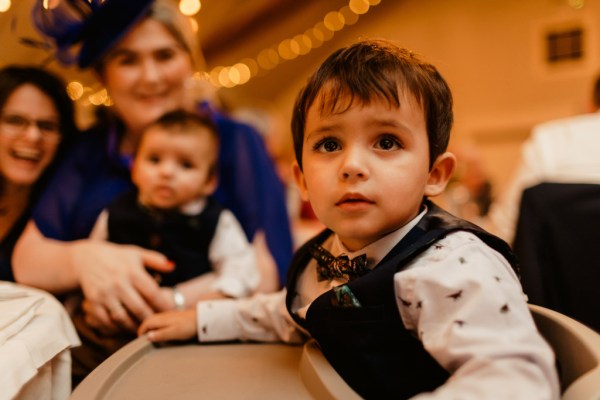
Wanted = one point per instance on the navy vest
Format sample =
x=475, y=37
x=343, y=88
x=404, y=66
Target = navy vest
x=369, y=345
x=183, y=239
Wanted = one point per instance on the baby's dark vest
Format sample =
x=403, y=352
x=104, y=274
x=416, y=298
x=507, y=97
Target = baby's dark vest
x=184, y=239
x=369, y=345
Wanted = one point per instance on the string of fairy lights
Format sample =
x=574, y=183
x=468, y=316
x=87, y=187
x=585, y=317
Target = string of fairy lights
x=289, y=48
x=241, y=72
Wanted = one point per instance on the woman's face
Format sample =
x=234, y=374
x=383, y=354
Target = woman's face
x=29, y=135
x=146, y=75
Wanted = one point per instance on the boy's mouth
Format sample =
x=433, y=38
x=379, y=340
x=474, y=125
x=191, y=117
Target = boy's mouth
x=353, y=198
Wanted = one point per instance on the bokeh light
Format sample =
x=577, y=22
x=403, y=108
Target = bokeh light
x=189, y=7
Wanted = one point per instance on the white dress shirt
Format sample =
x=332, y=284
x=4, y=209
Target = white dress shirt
x=460, y=298
x=561, y=151
x=232, y=258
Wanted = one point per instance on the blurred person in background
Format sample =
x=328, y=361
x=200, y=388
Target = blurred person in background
x=36, y=124
x=561, y=151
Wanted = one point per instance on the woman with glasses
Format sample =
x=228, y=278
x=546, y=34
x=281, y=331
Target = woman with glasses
x=36, y=121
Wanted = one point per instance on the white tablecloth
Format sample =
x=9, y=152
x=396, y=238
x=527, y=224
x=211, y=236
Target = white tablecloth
x=36, y=334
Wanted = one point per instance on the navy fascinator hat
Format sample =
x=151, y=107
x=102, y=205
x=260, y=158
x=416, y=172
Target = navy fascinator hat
x=83, y=31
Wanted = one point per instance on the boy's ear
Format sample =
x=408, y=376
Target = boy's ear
x=440, y=174
x=299, y=179
x=211, y=184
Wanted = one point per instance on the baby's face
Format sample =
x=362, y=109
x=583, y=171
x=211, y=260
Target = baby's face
x=172, y=169
x=366, y=170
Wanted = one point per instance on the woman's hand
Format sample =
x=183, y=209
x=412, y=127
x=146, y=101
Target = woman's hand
x=116, y=284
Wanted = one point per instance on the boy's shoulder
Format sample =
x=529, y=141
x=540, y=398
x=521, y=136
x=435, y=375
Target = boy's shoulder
x=456, y=241
x=439, y=230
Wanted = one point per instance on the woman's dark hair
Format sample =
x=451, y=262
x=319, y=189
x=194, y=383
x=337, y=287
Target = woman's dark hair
x=15, y=76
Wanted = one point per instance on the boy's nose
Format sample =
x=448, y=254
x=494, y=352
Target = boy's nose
x=353, y=166
x=166, y=168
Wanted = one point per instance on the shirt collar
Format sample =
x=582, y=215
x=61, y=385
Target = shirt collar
x=377, y=250
x=194, y=207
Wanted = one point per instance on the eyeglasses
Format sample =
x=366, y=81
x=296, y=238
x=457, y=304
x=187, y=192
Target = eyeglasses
x=13, y=124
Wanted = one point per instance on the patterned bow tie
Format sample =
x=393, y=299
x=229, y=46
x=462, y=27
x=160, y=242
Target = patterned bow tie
x=329, y=267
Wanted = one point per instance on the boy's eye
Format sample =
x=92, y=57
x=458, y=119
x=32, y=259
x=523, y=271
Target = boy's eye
x=327, y=145
x=185, y=164
x=388, y=143
x=153, y=158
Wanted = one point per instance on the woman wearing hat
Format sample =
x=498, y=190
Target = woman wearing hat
x=143, y=51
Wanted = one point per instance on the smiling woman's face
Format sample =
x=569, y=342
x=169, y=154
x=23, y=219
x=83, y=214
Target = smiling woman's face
x=146, y=74
x=29, y=135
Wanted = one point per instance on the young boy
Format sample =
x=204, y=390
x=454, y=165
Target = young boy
x=172, y=211
x=419, y=301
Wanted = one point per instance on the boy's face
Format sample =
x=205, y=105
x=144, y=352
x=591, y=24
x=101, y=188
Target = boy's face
x=365, y=171
x=172, y=169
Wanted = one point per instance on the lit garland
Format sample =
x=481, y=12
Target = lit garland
x=189, y=7
x=265, y=61
x=5, y=5
x=289, y=48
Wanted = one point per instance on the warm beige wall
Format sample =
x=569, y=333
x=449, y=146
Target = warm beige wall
x=491, y=52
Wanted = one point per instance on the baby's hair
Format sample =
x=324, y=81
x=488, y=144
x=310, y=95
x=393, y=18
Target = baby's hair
x=372, y=70
x=181, y=121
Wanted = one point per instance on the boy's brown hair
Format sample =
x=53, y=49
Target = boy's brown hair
x=376, y=70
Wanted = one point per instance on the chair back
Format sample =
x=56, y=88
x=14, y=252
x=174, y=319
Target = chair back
x=557, y=246
x=577, y=350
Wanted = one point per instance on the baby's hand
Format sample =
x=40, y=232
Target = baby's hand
x=170, y=325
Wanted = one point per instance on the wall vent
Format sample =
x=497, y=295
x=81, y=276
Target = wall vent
x=564, y=45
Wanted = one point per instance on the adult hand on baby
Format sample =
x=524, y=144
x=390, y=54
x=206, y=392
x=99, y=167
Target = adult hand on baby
x=114, y=280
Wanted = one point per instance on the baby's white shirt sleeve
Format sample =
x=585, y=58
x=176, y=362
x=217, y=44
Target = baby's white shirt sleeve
x=232, y=258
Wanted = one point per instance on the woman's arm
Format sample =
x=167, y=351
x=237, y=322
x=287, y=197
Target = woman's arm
x=110, y=275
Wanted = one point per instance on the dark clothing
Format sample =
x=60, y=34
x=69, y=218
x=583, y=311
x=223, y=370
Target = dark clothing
x=89, y=177
x=556, y=239
x=7, y=246
x=369, y=345
x=183, y=239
